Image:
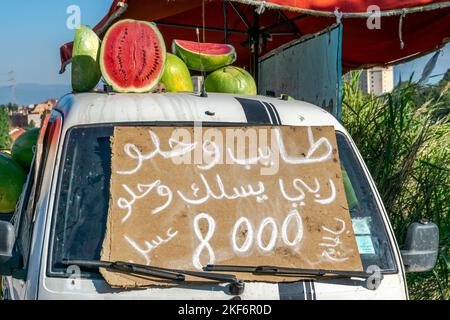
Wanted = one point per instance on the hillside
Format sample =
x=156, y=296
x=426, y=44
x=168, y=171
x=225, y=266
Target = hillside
x=29, y=93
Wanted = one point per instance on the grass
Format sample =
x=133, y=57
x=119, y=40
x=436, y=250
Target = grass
x=404, y=137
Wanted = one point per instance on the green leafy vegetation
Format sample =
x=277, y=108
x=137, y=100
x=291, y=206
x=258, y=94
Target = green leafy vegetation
x=4, y=128
x=404, y=137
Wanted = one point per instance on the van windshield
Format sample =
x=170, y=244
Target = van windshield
x=82, y=202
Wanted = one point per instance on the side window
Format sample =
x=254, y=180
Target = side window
x=20, y=221
x=370, y=230
x=24, y=226
x=24, y=216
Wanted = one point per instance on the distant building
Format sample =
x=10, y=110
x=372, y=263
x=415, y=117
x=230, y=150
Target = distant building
x=18, y=119
x=20, y=110
x=36, y=113
x=15, y=133
x=23, y=116
x=34, y=118
x=377, y=80
x=41, y=108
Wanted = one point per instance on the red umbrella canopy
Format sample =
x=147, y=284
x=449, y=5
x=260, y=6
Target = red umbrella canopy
x=400, y=30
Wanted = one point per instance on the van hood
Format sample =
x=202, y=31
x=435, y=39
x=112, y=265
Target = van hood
x=391, y=287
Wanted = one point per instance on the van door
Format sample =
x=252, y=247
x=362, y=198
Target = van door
x=23, y=284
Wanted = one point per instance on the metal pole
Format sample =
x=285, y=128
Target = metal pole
x=225, y=20
x=255, y=42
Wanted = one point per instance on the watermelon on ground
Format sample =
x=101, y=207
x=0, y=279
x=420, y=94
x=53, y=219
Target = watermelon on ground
x=23, y=148
x=12, y=178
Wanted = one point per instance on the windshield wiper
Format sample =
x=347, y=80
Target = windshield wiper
x=236, y=286
x=273, y=270
x=126, y=267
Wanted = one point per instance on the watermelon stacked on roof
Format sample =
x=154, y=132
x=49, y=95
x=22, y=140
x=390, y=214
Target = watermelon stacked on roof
x=217, y=59
x=132, y=58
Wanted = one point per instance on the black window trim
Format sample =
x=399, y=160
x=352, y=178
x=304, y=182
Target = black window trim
x=22, y=209
x=387, y=233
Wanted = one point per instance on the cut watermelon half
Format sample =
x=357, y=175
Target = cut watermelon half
x=132, y=56
x=204, y=56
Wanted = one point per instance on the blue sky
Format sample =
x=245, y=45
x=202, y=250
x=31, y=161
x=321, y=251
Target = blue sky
x=416, y=66
x=33, y=30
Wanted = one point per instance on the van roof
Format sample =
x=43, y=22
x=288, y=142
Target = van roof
x=101, y=108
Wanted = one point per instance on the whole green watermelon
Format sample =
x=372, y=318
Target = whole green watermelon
x=176, y=76
x=85, y=67
x=231, y=79
x=12, y=178
x=23, y=148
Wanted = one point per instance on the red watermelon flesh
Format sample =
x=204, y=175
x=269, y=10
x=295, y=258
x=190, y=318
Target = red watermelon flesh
x=204, y=56
x=132, y=56
x=205, y=48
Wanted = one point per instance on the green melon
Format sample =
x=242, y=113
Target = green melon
x=85, y=54
x=204, y=56
x=12, y=178
x=176, y=76
x=231, y=79
x=23, y=148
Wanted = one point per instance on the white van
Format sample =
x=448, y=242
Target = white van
x=64, y=204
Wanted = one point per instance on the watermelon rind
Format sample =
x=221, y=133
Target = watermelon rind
x=231, y=79
x=116, y=87
x=176, y=76
x=12, y=179
x=85, y=54
x=23, y=148
x=204, y=61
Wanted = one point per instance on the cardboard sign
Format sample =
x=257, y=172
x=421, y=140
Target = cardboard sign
x=185, y=197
